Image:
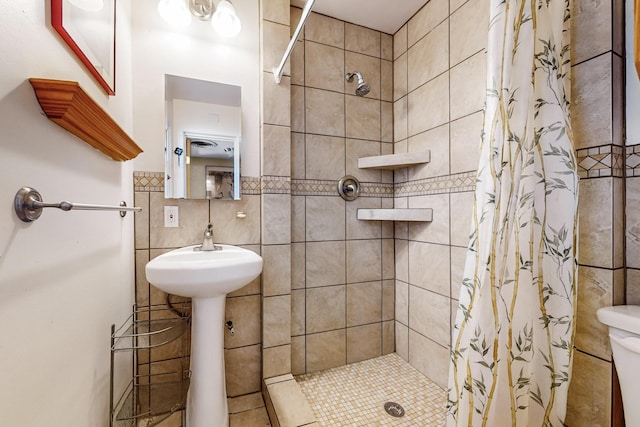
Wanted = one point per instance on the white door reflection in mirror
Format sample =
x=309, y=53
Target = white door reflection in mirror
x=203, y=134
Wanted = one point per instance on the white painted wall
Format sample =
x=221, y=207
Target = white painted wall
x=195, y=52
x=67, y=277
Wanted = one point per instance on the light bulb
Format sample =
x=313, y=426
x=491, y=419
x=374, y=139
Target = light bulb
x=88, y=5
x=175, y=12
x=225, y=21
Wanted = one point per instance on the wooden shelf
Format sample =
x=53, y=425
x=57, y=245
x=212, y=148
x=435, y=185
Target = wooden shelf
x=395, y=161
x=415, y=214
x=66, y=104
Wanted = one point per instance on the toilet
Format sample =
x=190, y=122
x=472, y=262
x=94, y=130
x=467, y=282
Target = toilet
x=624, y=334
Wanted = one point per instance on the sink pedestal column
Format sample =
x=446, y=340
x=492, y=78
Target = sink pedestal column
x=207, y=396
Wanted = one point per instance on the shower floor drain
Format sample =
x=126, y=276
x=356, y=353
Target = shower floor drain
x=394, y=409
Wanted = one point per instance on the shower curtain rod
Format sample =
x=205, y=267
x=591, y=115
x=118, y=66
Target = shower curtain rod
x=277, y=72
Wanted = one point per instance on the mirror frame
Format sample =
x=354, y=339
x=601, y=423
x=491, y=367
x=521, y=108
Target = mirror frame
x=57, y=21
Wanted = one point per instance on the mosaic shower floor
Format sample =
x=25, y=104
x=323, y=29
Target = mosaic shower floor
x=354, y=395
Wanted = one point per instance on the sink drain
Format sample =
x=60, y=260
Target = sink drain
x=394, y=409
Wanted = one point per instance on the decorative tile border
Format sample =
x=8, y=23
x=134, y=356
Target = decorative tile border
x=632, y=163
x=148, y=181
x=602, y=161
x=276, y=185
x=250, y=185
x=455, y=183
x=317, y=187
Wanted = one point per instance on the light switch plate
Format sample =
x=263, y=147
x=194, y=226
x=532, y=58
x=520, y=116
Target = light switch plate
x=171, y=218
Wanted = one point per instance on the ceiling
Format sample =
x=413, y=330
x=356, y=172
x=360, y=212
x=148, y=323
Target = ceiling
x=382, y=15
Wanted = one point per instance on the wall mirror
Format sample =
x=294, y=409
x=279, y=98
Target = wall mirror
x=203, y=122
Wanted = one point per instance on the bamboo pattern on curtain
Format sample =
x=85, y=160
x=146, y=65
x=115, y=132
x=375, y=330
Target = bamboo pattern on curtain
x=512, y=348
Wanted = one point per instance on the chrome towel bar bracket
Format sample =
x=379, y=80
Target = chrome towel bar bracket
x=28, y=205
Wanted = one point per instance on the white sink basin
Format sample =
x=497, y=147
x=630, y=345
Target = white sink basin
x=203, y=274
x=206, y=277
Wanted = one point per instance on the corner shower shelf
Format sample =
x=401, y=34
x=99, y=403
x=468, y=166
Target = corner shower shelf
x=395, y=161
x=413, y=214
x=66, y=104
x=154, y=396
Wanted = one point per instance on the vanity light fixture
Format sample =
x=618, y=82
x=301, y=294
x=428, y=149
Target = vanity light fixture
x=88, y=5
x=223, y=16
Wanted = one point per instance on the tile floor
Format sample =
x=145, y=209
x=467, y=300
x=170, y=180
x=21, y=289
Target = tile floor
x=354, y=395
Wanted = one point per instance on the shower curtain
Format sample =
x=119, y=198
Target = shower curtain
x=512, y=347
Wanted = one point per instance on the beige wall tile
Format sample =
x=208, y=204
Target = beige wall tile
x=437, y=142
x=386, y=121
x=252, y=417
x=275, y=38
x=242, y=370
x=402, y=302
x=400, y=77
x=290, y=404
x=245, y=313
x=194, y=217
x=362, y=40
x=228, y=228
x=402, y=260
x=319, y=319
x=276, y=361
x=326, y=30
x=142, y=286
x=469, y=30
x=402, y=340
x=429, y=358
x=590, y=29
x=429, y=57
x=400, y=117
x=276, y=100
x=276, y=321
x=298, y=156
x=325, y=218
x=386, y=80
x=295, y=14
x=298, y=302
x=297, y=109
x=245, y=403
x=370, y=69
x=589, y=401
x=298, y=218
x=364, y=261
x=357, y=229
x=141, y=220
x=324, y=112
x=429, y=267
x=364, y=342
x=388, y=300
x=468, y=86
x=297, y=64
x=427, y=18
x=400, y=42
x=357, y=148
x=458, y=260
x=461, y=214
x=326, y=350
x=595, y=218
x=388, y=258
x=276, y=219
x=386, y=46
x=595, y=290
x=276, y=11
x=364, y=303
x=255, y=287
x=423, y=113
x=436, y=231
x=362, y=117
x=618, y=222
x=325, y=157
x=619, y=286
x=325, y=263
x=276, y=271
x=298, y=255
x=276, y=150
x=455, y=4
x=465, y=143
x=633, y=286
x=324, y=67
x=591, y=102
x=388, y=337
x=429, y=315
x=298, y=355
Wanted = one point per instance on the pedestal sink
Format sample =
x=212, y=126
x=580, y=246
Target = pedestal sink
x=206, y=277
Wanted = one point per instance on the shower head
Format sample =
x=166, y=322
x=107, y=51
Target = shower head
x=363, y=88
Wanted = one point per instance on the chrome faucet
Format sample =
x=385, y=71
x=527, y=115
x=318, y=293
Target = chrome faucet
x=207, y=240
